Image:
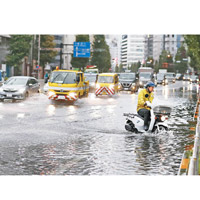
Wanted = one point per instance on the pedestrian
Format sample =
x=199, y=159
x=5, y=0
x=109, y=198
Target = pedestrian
x=46, y=77
x=145, y=98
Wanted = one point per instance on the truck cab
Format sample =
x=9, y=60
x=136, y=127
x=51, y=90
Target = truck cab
x=67, y=85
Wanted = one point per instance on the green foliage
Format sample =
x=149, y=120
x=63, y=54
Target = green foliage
x=19, y=48
x=134, y=67
x=101, y=54
x=80, y=62
x=117, y=68
x=149, y=62
x=180, y=65
x=47, y=55
x=193, y=44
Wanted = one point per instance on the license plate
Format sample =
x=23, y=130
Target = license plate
x=125, y=88
x=9, y=95
x=61, y=97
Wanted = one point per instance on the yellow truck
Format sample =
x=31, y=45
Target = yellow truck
x=67, y=85
x=107, y=84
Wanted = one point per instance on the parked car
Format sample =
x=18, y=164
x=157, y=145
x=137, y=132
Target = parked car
x=128, y=82
x=170, y=77
x=92, y=78
x=19, y=88
x=161, y=79
x=194, y=79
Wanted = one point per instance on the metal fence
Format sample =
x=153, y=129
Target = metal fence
x=194, y=160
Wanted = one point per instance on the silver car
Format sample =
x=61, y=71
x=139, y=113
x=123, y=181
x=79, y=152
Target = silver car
x=19, y=87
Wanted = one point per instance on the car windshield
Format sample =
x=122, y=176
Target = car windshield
x=169, y=75
x=145, y=75
x=105, y=79
x=90, y=78
x=63, y=77
x=16, y=81
x=127, y=76
x=193, y=77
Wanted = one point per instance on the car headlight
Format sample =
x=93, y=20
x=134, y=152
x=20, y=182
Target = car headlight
x=166, y=81
x=73, y=94
x=140, y=82
x=22, y=90
x=1, y=89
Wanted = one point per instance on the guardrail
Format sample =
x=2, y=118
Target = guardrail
x=194, y=160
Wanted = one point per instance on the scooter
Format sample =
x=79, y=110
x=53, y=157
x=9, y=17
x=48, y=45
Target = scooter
x=157, y=124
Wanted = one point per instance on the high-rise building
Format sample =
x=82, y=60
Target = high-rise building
x=133, y=49
x=113, y=41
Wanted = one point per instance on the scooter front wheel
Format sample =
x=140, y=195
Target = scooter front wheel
x=160, y=128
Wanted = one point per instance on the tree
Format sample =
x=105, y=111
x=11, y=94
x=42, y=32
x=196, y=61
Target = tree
x=193, y=44
x=101, y=54
x=149, y=62
x=134, y=67
x=80, y=62
x=19, y=48
x=46, y=56
x=180, y=65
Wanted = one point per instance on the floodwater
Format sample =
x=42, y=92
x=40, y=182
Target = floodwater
x=39, y=137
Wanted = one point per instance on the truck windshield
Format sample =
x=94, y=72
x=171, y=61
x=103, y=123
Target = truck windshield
x=145, y=75
x=160, y=76
x=105, y=79
x=63, y=77
x=127, y=76
x=90, y=78
x=169, y=75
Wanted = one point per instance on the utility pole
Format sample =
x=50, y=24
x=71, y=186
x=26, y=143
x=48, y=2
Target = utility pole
x=38, y=53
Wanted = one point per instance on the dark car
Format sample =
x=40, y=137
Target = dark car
x=92, y=78
x=145, y=77
x=179, y=77
x=19, y=88
x=186, y=77
x=161, y=79
x=128, y=82
x=194, y=79
x=170, y=77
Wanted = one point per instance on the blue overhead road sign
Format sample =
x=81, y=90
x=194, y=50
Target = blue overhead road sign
x=82, y=49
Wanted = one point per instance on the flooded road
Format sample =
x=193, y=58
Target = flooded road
x=39, y=137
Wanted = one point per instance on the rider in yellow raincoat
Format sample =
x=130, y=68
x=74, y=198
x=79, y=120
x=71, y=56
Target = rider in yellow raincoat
x=145, y=97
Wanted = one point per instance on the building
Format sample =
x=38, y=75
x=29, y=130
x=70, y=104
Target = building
x=113, y=41
x=4, y=45
x=133, y=49
x=56, y=62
